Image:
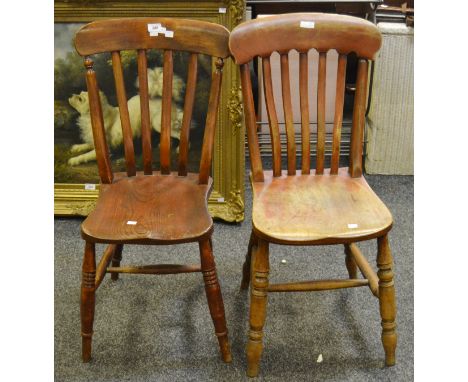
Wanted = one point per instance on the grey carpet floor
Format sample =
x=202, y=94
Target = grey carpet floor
x=158, y=328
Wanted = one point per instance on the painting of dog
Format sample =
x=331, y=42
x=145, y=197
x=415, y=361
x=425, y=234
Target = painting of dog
x=112, y=124
x=74, y=154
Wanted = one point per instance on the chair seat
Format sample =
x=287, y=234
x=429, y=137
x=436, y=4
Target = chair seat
x=317, y=209
x=150, y=209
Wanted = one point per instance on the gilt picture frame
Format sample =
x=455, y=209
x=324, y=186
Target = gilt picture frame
x=226, y=201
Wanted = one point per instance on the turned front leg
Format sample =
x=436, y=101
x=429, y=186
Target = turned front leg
x=387, y=299
x=247, y=263
x=214, y=297
x=88, y=288
x=258, y=302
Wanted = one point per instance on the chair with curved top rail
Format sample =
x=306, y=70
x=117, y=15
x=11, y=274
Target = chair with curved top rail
x=151, y=207
x=321, y=206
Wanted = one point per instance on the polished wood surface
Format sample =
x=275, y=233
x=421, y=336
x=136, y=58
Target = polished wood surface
x=365, y=268
x=106, y=258
x=124, y=114
x=312, y=209
x=165, y=140
x=99, y=135
x=288, y=116
x=188, y=109
x=359, y=120
x=272, y=116
x=157, y=269
x=322, y=68
x=210, y=124
x=166, y=209
x=151, y=207
x=321, y=206
x=387, y=299
x=132, y=33
x=316, y=285
x=285, y=33
x=144, y=108
x=213, y=294
x=88, y=291
x=258, y=303
x=338, y=119
x=251, y=124
x=305, y=121
x=116, y=259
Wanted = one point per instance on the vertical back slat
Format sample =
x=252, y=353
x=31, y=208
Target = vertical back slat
x=355, y=155
x=188, y=109
x=338, y=119
x=272, y=117
x=251, y=124
x=288, y=115
x=322, y=73
x=124, y=115
x=305, y=122
x=210, y=125
x=165, y=141
x=145, y=114
x=97, y=122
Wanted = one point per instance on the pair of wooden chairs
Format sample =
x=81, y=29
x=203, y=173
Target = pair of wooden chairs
x=294, y=207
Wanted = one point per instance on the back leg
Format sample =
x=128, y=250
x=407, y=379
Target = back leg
x=248, y=258
x=116, y=260
x=350, y=263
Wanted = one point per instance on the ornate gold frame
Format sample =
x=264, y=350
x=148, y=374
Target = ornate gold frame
x=227, y=199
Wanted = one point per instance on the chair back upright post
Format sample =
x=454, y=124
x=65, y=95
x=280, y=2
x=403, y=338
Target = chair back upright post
x=303, y=32
x=117, y=35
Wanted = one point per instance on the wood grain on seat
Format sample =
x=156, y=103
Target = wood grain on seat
x=309, y=209
x=161, y=206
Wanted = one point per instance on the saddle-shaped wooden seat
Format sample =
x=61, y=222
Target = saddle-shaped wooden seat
x=150, y=210
x=317, y=209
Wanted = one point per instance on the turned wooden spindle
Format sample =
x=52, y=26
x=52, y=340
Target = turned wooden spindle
x=215, y=299
x=88, y=288
x=258, y=302
x=387, y=299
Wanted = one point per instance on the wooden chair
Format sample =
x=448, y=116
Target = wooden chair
x=311, y=206
x=151, y=207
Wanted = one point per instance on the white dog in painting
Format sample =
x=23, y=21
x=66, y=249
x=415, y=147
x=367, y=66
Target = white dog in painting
x=155, y=84
x=111, y=116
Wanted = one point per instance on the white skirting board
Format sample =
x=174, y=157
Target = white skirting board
x=390, y=133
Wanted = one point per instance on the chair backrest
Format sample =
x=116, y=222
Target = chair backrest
x=303, y=32
x=141, y=35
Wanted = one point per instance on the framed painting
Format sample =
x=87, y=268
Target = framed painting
x=76, y=177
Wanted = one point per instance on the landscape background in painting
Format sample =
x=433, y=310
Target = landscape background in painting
x=69, y=79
